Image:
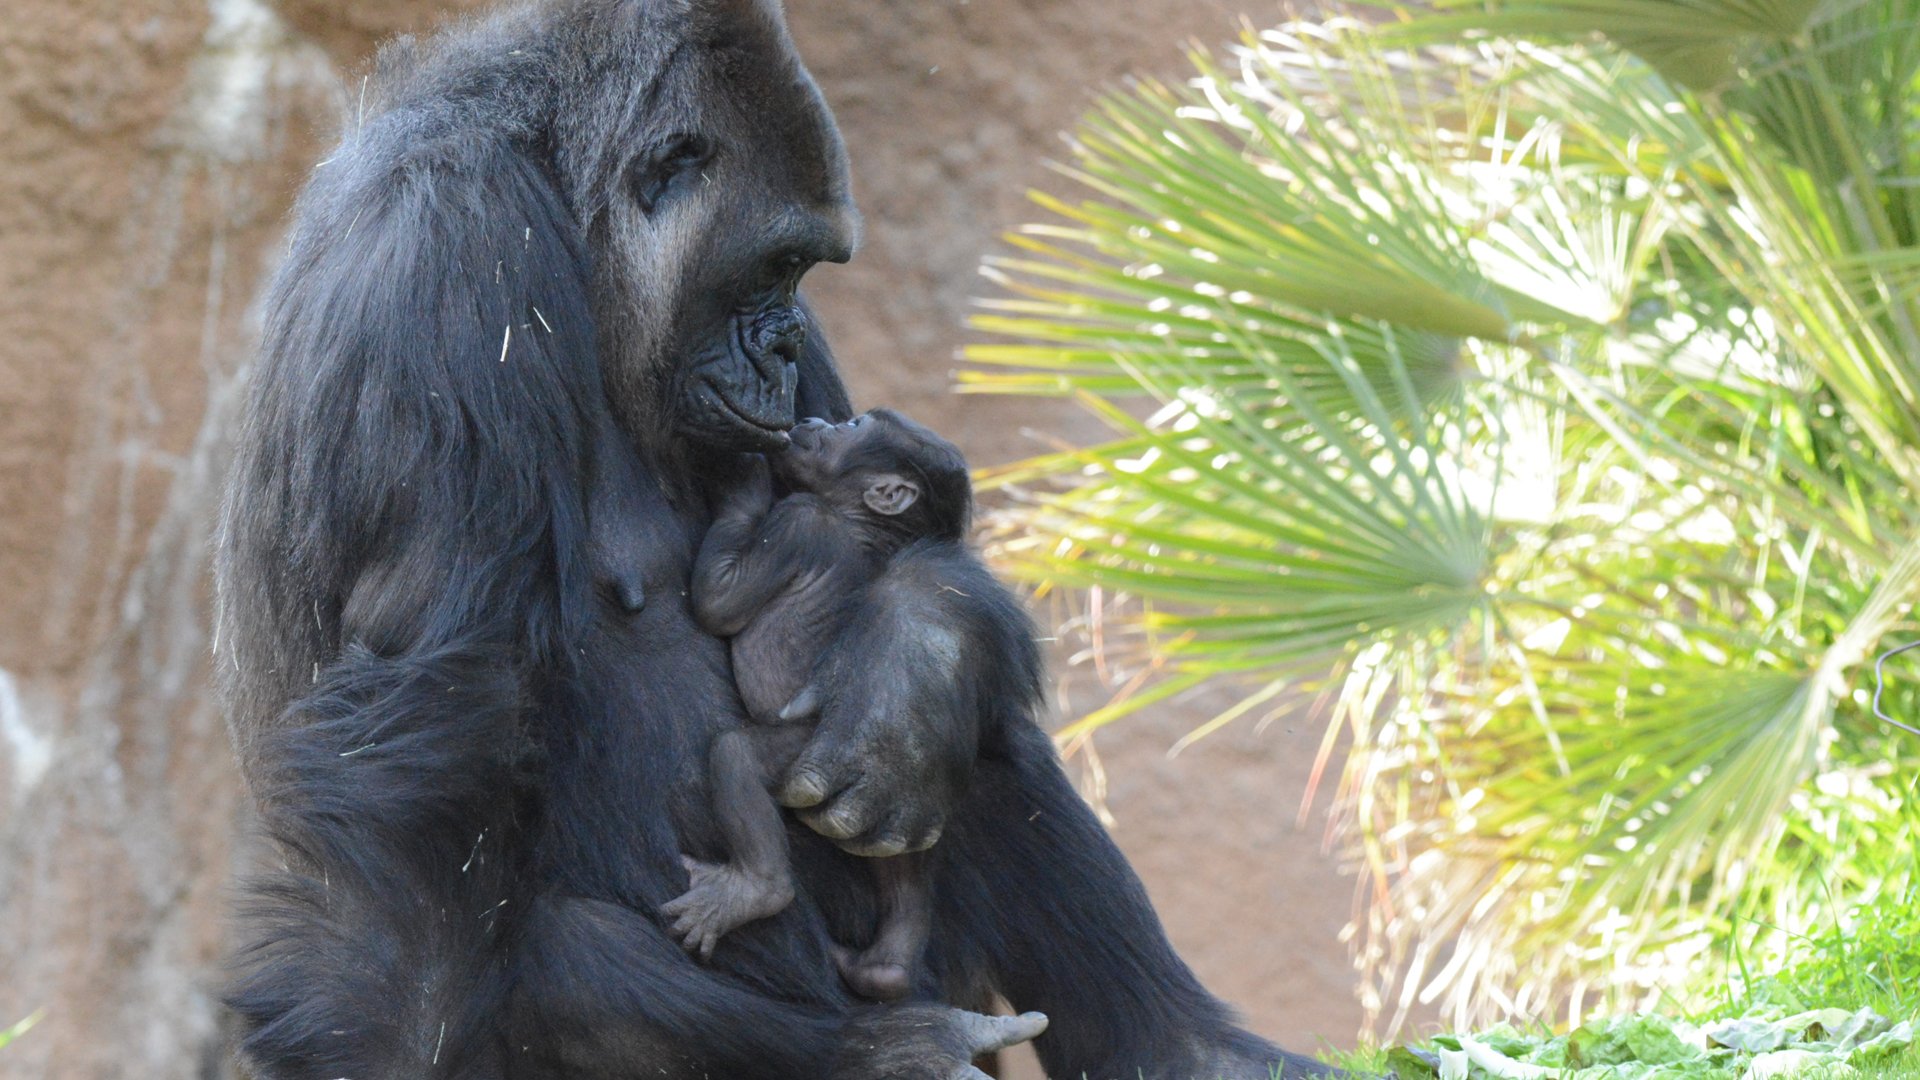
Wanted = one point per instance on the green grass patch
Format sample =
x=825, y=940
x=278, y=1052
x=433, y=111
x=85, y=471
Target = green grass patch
x=1842, y=1004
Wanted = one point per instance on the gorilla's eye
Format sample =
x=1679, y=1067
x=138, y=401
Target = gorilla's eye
x=653, y=173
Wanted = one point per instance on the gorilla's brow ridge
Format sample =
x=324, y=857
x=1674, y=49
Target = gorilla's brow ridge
x=614, y=150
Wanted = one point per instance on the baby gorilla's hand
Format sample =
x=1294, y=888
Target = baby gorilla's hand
x=741, y=486
x=720, y=898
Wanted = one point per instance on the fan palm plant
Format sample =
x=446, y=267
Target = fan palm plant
x=1537, y=386
x=9, y=1034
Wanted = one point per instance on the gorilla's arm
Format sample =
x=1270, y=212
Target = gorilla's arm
x=401, y=567
x=1034, y=900
x=1025, y=872
x=729, y=582
x=585, y=968
x=938, y=664
x=751, y=554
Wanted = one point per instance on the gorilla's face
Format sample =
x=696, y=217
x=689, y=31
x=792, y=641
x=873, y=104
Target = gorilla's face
x=733, y=187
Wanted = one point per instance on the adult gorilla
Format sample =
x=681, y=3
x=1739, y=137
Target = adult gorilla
x=534, y=307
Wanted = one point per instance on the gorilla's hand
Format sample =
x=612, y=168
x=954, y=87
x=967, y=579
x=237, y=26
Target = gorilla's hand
x=928, y=1042
x=891, y=754
x=926, y=676
x=899, y=725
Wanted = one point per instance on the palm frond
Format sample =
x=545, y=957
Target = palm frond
x=1553, y=421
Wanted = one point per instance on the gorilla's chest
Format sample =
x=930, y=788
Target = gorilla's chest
x=655, y=688
x=649, y=647
x=630, y=776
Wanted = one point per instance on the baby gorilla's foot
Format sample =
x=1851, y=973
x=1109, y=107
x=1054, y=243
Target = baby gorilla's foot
x=875, y=974
x=719, y=898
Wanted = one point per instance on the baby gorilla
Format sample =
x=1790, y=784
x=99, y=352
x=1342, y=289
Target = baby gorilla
x=782, y=579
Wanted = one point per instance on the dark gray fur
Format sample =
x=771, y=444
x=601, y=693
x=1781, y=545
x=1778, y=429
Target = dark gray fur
x=535, y=304
x=782, y=579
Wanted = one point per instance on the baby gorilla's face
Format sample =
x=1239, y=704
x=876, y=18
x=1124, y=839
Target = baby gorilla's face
x=875, y=468
x=818, y=451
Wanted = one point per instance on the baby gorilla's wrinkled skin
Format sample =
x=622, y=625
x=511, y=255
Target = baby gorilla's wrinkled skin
x=782, y=578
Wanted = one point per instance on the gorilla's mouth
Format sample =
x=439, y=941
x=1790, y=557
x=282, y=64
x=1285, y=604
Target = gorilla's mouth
x=748, y=406
x=761, y=416
x=806, y=434
x=742, y=396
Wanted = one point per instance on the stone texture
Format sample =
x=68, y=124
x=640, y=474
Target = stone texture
x=148, y=151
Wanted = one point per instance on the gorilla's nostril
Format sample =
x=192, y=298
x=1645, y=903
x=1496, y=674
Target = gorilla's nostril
x=784, y=324
x=780, y=333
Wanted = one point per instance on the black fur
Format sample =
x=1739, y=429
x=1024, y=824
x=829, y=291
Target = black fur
x=488, y=361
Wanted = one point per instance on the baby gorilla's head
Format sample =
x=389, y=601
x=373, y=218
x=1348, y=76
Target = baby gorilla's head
x=883, y=471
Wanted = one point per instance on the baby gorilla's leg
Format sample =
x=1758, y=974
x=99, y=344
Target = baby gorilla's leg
x=884, y=972
x=757, y=880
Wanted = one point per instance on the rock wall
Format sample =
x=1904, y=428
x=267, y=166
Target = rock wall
x=148, y=152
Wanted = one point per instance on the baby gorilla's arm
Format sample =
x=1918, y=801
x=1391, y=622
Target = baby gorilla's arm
x=737, y=571
x=753, y=550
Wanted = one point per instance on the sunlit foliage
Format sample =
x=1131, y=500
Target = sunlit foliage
x=1538, y=389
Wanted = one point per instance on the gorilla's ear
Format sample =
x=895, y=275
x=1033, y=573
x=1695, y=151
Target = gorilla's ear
x=891, y=494
x=821, y=393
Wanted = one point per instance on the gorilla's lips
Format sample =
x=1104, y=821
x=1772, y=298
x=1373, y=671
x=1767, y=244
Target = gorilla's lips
x=743, y=396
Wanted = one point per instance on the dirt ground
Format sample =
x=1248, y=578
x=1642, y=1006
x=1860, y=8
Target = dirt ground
x=148, y=151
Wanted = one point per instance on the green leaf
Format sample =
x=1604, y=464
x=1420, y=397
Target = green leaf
x=1697, y=43
x=1549, y=413
x=1409, y=1064
x=1649, y=1039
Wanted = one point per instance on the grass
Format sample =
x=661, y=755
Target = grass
x=1869, y=961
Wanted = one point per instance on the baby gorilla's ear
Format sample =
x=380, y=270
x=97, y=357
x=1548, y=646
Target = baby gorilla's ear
x=891, y=494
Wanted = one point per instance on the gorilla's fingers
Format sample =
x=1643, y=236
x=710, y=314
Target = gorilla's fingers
x=878, y=845
x=986, y=1034
x=844, y=819
x=804, y=706
x=856, y=811
x=887, y=846
x=917, y=832
x=806, y=787
x=968, y=1072
x=896, y=835
x=823, y=771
